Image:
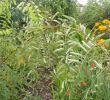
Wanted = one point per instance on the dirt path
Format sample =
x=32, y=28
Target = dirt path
x=44, y=83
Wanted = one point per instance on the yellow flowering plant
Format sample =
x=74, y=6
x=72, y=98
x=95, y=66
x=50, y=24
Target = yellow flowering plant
x=106, y=21
x=102, y=29
x=101, y=26
x=100, y=41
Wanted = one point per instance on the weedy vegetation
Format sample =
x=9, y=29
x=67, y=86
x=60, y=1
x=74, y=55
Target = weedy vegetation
x=49, y=50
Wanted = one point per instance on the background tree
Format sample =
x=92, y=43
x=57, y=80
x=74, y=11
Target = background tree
x=95, y=11
x=64, y=7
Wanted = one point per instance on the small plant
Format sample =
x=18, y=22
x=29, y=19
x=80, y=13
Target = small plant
x=101, y=29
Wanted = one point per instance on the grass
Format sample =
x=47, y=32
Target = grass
x=52, y=59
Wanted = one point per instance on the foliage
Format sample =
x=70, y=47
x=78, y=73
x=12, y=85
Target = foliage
x=44, y=57
x=64, y=7
x=94, y=11
x=84, y=71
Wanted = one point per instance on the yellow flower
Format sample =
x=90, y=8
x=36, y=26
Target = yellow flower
x=97, y=24
x=100, y=41
x=102, y=28
x=106, y=21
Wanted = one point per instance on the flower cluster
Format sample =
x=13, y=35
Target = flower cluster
x=101, y=27
x=100, y=41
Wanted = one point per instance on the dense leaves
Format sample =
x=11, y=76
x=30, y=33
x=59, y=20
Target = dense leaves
x=48, y=54
x=94, y=11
